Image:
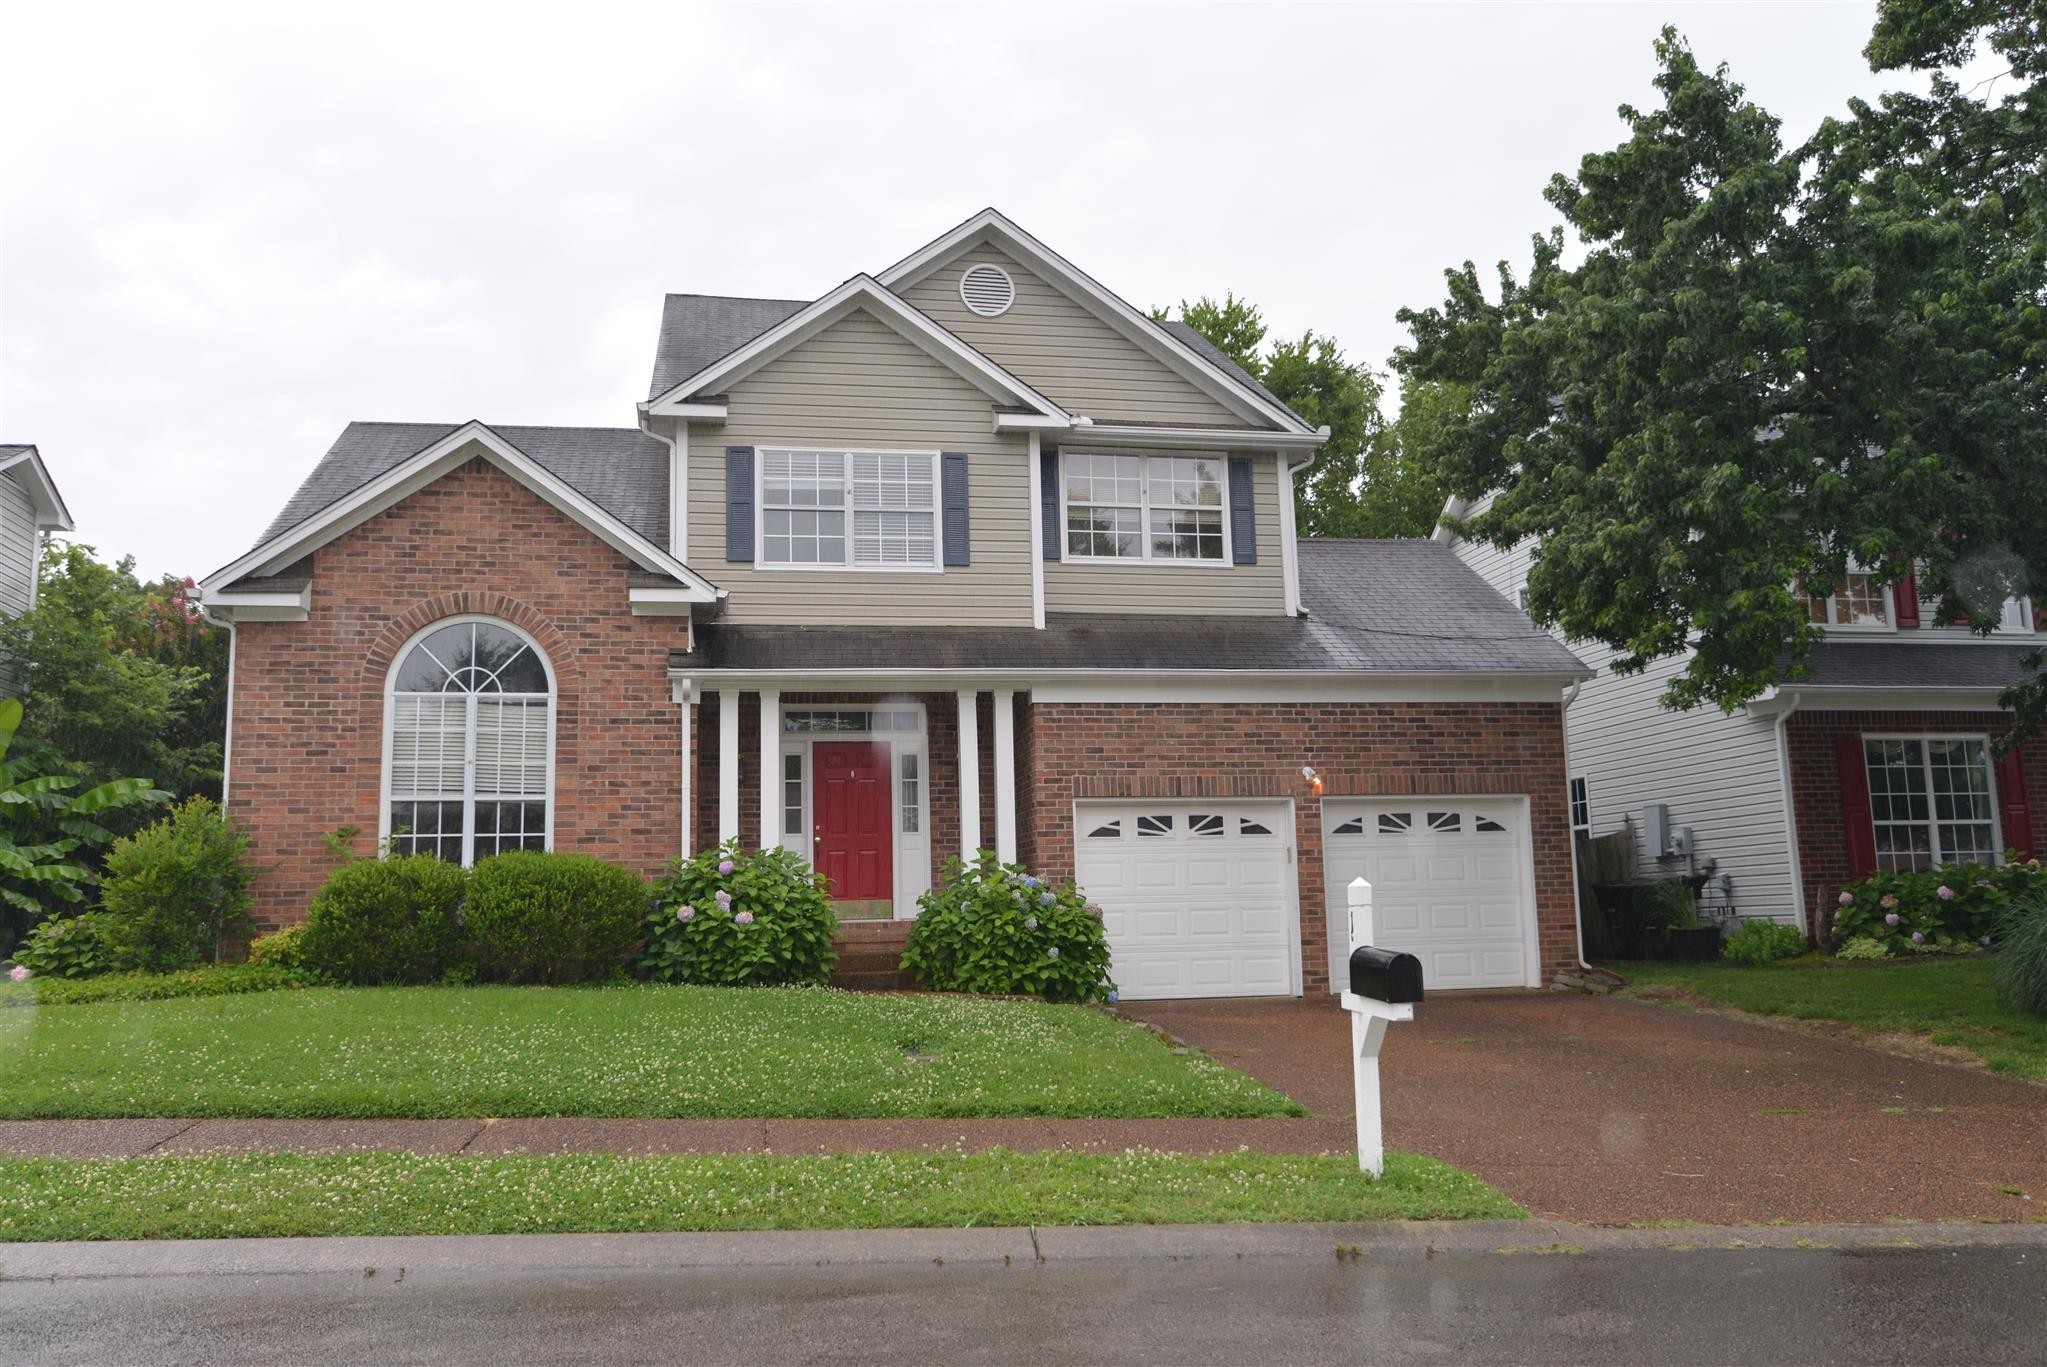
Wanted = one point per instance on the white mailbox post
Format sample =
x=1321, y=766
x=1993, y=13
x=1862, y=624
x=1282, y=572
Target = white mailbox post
x=1368, y=1019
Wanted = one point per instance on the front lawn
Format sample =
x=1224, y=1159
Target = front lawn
x=253, y=1195
x=609, y=1051
x=1950, y=1002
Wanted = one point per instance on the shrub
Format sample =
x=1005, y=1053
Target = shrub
x=214, y=980
x=2022, y=955
x=1951, y=908
x=1863, y=947
x=174, y=889
x=394, y=920
x=68, y=947
x=536, y=917
x=734, y=917
x=280, y=948
x=991, y=927
x=1762, y=942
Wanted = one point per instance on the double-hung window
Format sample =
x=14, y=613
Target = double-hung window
x=1144, y=507
x=1931, y=800
x=1859, y=600
x=864, y=509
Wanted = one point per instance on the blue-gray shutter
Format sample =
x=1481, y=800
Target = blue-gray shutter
x=1048, y=503
x=952, y=493
x=1243, y=513
x=739, y=503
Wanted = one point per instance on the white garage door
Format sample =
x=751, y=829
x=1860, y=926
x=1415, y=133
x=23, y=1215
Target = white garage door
x=1196, y=897
x=1450, y=885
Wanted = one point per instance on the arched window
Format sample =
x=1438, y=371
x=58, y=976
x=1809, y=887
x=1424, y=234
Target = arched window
x=472, y=743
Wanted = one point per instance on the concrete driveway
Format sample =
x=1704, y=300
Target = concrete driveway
x=1615, y=1112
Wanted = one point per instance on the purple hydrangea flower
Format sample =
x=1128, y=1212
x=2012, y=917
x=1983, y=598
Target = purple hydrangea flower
x=1046, y=899
x=684, y=912
x=744, y=918
x=1918, y=937
x=1847, y=899
x=1114, y=996
x=1030, y=880
x=725, y=866
x=1891, y=919
x=1945, y=893
x=1053, y=951
x=724, y=897
x=18, y=974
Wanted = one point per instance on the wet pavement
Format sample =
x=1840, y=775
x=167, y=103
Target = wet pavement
x=1611, y=1111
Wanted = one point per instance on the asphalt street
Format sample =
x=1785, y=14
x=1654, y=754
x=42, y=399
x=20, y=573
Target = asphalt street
x=1979, y=1304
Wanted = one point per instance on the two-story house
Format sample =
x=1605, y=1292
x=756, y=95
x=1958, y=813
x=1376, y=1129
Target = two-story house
x=1879, y=758
x=965, y=554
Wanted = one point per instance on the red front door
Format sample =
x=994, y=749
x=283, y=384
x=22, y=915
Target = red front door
x=853, y=842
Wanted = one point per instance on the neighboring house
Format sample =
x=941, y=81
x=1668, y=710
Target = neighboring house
x=1880, y=759
x=29, y=506
x=966, y=554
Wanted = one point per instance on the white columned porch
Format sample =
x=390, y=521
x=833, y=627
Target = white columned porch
x=771, y=767
x=728, y=764
x=689, y=709
x=970, y=774
x=1005, y=775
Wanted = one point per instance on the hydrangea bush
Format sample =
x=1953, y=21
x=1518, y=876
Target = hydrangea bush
x=68, y=947
x=734, y=917
x=1948, y=909
x=991, y=927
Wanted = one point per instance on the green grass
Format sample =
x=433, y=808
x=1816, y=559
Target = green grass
x=252, y=1195
x=1950, y=1002
x=609, y=1051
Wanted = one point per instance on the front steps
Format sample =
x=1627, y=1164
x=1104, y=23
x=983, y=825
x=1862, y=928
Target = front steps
x=871, y=956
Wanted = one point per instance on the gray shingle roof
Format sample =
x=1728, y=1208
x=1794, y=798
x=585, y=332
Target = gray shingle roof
x=1915, y=663
x=621, y=469
x=1376, y=606
x=697, y=329
x=8, y=449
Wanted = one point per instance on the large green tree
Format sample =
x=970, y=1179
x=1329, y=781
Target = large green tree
x=119, y=677
x=1359, y=484
x=1770, y=362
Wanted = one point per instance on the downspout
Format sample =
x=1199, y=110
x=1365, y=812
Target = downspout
x=227, y=739
x=1577, y=896
x=1798, y=906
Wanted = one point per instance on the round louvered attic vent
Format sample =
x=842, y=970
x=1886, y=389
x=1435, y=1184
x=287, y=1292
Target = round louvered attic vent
x=987, y=290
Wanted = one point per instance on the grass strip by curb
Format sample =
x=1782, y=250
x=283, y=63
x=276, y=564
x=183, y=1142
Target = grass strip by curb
x=258, y=1195
x=634, y=1050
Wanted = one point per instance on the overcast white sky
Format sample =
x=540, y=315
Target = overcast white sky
x=225, y=233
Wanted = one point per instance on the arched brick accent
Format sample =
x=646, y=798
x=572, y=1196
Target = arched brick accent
x=306, y=753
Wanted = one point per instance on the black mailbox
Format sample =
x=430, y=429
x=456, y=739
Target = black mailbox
x=1385, y=975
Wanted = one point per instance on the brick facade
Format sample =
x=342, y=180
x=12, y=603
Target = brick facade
x=1254, y=750
x=1816, y=788
x=308, y=732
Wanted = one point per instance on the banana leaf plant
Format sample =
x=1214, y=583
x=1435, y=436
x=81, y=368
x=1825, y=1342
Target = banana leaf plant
x=45, y=828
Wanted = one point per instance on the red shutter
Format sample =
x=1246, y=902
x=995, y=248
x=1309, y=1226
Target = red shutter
x=1906, y=591
x=1858, y=831
x=2012, y=808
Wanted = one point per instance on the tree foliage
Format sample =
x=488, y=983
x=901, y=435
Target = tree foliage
x=1769, y=363
x=1359, y=484
x=119, y=677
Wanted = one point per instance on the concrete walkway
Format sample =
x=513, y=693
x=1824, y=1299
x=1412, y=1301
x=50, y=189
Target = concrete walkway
x=1613, y=1111
x=135, y=1138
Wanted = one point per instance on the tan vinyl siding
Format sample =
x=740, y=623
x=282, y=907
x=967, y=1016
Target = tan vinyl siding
x=859, y=384
x=1066, y=353
x=1109, y=586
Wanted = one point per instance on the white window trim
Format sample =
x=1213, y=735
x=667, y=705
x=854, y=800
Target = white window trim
x=389, y=725
x=1577, y=784
x=1926, y=776
x=1228, y=560
x=760, y=510
x=1890, y=597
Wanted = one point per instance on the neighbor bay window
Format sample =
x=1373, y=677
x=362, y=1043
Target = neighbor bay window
x=1931, y=800
x=865, y=509
x=471, y=744
x=1144, y=507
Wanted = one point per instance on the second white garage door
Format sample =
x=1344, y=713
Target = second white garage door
x=1450, y=885
x=1197, y=898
